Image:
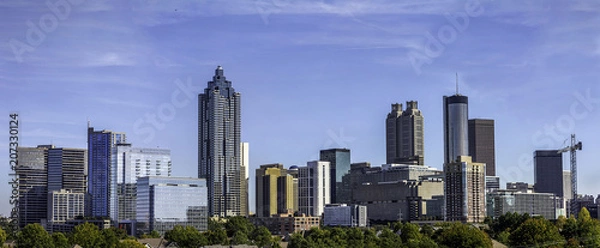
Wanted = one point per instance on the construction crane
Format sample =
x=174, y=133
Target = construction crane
x=572, y=149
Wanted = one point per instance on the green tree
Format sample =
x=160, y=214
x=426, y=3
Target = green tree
x=34, y=236
x=337, y=237
x=427, y=230
x=503, y=237
x=317, y=237
x=537, y=232
x=186, y=236
x=370, y=238
x=461, y=235
x=3, y=236
x=569, y=228
x=355, y=237
x=130, y=243
x=588, y=229
x=262, y=237
x=389, y=239
x=60, y=240
x=297, y=240
x=154, y=234
x=112, y=236
x=409, y=232
x=238, y=224
x=216, y=237
x=240, y=238
x=87, y=235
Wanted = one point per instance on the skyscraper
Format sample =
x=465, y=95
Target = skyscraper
x=548, y=172
x=456, y=133
x=219, y=128
x=313, y=188
x=464, y=190
x=339, y=165
x=481, y=144
x=404, y=135
x=32, y=172
x=102, y=174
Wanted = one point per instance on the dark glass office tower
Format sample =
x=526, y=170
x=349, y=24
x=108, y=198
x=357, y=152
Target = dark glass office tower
x=482, y=144
x=33, y=184
x=339, y=165
x=456, y=131
x=219, y=130
x=102, y=175
x=548, y=172
x=67, y=170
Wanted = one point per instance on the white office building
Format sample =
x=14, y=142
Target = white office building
x=314, y=188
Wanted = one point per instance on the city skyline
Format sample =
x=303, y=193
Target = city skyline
x=532, y=67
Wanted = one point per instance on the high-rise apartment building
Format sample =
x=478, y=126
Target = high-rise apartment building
x=548, y=172
x=464, y=190
x=404, y=135
x=219, y=129
x=32, y=172
x=482, y=144
x=245, y=164
x=339, y=165
x=133, y=163
x=102, y=174
x=456, y=133
x=314, y=188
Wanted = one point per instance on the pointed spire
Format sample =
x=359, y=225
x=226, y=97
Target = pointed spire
x=457, y=83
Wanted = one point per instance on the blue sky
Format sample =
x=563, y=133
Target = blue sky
x=312, y=74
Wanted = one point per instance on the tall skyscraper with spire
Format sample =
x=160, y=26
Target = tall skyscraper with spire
x=456, y=128
x=404, y=135
x=219, y=129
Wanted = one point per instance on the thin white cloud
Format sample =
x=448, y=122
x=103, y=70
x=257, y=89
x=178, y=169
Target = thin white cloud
x=107, y=59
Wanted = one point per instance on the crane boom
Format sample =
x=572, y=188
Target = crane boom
x=572, y=150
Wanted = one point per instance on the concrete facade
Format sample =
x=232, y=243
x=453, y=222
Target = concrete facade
x=482, y=144
x=405, y=135
x=465, y=191
x=313, y=188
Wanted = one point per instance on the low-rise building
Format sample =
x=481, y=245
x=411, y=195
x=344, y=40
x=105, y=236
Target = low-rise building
x=546, y=205
x=285, y=224
x=345, y=215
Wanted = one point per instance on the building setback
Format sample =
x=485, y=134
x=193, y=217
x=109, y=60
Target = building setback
x=404, y=135
x=482, y=144
x=339, y=165
x=313, y=188
x=219, y=129
x=548, y=172
x=464, y=190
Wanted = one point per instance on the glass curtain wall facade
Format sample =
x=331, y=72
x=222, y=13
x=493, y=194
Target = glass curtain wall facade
x=164, y=202
x=456, y=130
x=33, y=184
x=133, y=163
x=339, y=165
x=102, y=176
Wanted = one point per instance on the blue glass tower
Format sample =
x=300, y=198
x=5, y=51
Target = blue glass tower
x=339, y=165
x=102, y=176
